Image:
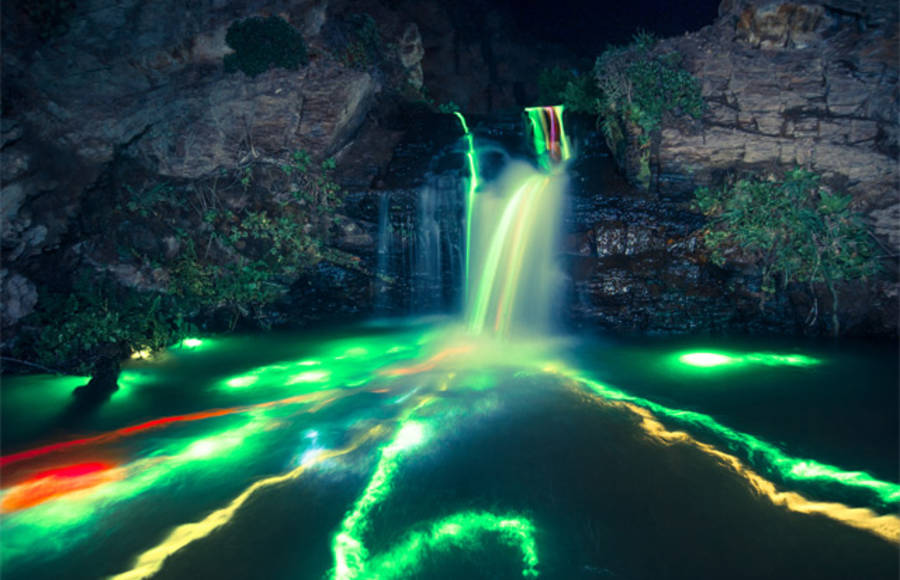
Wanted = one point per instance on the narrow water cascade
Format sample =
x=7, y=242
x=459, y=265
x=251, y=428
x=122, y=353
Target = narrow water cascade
x=436, y=252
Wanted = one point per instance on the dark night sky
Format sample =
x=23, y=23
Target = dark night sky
x=587, y=27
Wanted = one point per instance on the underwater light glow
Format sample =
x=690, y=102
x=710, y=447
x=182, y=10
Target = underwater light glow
x=309, y=377
x=706, y=359
x=240, y=382
x=722, y=359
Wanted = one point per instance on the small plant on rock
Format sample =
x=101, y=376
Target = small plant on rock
x=263, y=43
x=639, y=88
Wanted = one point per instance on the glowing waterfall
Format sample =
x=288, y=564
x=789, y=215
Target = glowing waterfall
x=511, y=230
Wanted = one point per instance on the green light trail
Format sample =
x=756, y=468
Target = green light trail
x=759, y=452
x=350, y=554
x=551, y=145
x=463, y=530
x=472, y=157
x=707, y=360
x=352, y=559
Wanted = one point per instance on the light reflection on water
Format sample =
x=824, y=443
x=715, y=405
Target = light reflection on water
x=527, y=443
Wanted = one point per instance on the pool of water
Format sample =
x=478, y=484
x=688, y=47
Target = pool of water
x=413, y=451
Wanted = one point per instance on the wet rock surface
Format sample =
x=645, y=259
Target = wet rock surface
x=636, y=263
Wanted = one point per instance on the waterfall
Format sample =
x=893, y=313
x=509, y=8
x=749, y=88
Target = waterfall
x=489, y=241
x=513, y=225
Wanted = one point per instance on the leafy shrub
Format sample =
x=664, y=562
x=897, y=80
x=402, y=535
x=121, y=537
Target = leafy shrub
x=363, y=46
x=68, y=328
x=578, y=92
x=793, y=230
x=640, y=87
x=260, y=44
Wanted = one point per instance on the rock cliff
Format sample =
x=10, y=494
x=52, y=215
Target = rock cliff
x=786, y=84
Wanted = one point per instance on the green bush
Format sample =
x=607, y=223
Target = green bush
x=69, y=328
x=640, y=87
x=578, y=92
x=260, y=44
x=363, y=46
x=793, y=229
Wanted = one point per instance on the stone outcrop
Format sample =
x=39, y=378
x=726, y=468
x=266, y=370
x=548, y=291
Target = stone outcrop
x=146, y=82
x=636, y=263
x=809, y=84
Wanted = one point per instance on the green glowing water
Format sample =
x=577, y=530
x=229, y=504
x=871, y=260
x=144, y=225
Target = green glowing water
x=481, y=462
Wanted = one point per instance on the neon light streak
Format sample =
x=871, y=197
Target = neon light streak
x=352, y=561
x=470, y=194
x=53, y=483
x=551, y=145
x=886, y=526
x=756, y=450
x=151, y=561
x=428, y=364
x=154, y=424
x=722, y=359
x=349, y=553
x=459, y=530
x=489, y=271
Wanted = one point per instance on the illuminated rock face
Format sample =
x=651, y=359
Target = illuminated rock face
x=787, y=84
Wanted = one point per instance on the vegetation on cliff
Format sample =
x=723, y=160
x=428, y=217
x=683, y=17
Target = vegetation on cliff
x=263, y=43
x=793, y=229
x=223, y=248
x=631, y=89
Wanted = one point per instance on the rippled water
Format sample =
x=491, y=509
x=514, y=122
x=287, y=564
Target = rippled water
x=412, y=451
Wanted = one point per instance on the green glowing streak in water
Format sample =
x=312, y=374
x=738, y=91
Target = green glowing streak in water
x=470, y=194
x=459, y=530
x=351, y=557
x=758, y=451
x=478, y=316
x=344, y=363
x=349, y=553
x=710, y=359
x=58, y=524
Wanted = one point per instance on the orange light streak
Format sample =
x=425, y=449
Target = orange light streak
x=53, y=483
x=429, y=364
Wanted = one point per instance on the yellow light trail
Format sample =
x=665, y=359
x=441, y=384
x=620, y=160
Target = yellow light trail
x=151, y=561
x=884, y=526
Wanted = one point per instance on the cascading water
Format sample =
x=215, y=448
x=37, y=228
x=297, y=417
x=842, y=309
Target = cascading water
x=511, y=233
